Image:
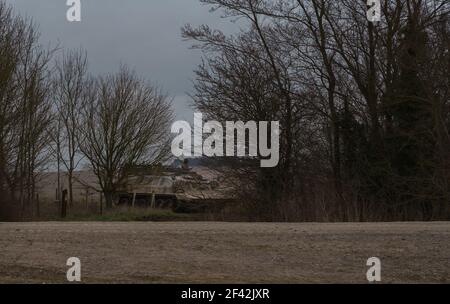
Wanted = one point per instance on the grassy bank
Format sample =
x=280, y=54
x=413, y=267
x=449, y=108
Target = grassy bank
x=132, y=215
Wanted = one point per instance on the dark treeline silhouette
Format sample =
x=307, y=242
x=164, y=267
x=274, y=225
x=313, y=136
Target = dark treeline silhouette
x=53, y=114
x=364, y=107
x=24, y=107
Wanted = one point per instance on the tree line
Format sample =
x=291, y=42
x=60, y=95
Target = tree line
x=363, y=106
x=54, y=113
x=363, y=109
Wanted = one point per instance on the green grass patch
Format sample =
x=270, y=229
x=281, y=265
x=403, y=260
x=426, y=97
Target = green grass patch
x=133, y=216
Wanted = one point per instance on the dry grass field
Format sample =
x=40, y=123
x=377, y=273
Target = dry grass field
x=210, y=252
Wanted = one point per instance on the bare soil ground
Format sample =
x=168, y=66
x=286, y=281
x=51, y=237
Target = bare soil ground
x=224, y=252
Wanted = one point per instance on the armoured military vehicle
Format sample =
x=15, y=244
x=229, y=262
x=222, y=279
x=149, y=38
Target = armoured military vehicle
x=183, y=189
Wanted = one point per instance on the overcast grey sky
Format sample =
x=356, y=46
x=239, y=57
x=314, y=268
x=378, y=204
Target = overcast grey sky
x=145, y=34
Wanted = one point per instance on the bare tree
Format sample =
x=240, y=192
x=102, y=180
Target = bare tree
x=356, y=99
x=25, y=107
x=125, y=122
x=9, y=58
x=70, y=83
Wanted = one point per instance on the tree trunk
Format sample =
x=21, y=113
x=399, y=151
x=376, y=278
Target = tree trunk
x=70, y=181
x=109, y=198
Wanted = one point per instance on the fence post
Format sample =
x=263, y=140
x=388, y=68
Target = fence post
x=64, y=204
x=152, y=203
x=101, y=203
x=38, y=209
x=134, y=199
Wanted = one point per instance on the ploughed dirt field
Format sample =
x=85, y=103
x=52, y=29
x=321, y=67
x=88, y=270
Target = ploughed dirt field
x=224, y=252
